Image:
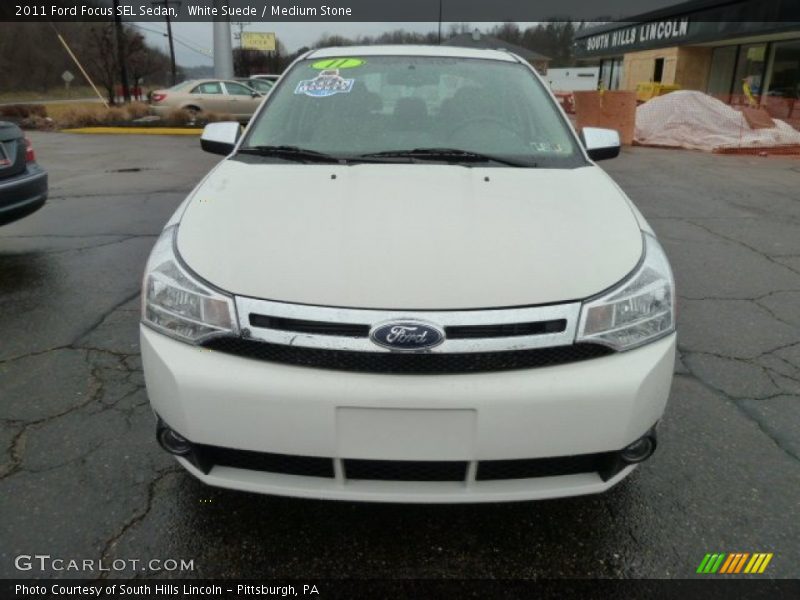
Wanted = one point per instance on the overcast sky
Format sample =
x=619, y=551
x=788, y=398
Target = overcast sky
x=193, y=38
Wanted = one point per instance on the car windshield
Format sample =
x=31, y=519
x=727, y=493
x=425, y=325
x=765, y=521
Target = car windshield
x=441, y=108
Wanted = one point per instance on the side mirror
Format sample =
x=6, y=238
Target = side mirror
x=600, y=144
x=220, y=138
x=255, y=94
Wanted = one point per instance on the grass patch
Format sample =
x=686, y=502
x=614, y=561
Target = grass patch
x=56, y=111
x=75, y=115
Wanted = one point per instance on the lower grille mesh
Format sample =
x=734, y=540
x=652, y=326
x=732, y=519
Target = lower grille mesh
x=526, y=468
x=387, y=362
x=606, y=464
x=405, y=470
x=207, y=457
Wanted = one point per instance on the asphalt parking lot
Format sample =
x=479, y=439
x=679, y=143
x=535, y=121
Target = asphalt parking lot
x=81, y=475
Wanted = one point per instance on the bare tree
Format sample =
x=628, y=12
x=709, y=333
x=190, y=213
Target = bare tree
x=145, y=62
x=250, y=62
x=98, y=52
x=457, y=29
x=508, y=32
x=32, y=58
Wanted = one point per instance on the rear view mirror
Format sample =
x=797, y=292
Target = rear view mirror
x=600, y=144
x=220, y=138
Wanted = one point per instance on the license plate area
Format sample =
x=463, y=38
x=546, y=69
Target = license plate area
x=406, y=434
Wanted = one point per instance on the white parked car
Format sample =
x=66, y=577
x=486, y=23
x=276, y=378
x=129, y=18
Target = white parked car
x=408, y=281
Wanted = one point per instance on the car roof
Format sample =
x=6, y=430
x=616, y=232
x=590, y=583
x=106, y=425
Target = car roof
x=413, y=50
x=211, y=80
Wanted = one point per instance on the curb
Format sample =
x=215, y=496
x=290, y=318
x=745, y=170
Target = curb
x=135, y=130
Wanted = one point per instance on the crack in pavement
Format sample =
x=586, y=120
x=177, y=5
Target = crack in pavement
x=85, y=333
x=17, y=445
x=739, y=242
x=34, y=353
x=139, y=516
x=771, y=312
x=82, y=235
x=120, y=240
x=105, y=316
x=119, y=194
x=793, y=367
x=745, y=299
x=96, y=386
x=737, y=401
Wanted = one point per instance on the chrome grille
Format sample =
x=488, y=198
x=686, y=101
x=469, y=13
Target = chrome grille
x=467, y=331
x=475, y=340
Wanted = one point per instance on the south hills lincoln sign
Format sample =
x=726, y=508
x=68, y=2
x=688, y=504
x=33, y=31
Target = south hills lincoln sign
x=698, y=22
x=640, y=36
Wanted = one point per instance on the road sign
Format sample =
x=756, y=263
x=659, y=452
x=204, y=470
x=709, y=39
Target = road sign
x=257, y=40
x=67, y=77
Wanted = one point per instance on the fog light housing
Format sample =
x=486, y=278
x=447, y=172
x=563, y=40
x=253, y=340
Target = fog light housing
x=172, y=441
x=640, y=450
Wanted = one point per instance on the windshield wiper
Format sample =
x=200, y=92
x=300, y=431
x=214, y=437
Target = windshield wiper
x=447, y=155
x=291, y=153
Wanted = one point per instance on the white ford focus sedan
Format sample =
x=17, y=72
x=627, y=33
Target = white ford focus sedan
x=408, y=281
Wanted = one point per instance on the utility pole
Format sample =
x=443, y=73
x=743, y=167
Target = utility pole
x=173, y=68
x=121, y=52
x=238, y=36
x=223, y=48
x=243, y=68
x=440, y=22
x=78, y=63
x=171, y=46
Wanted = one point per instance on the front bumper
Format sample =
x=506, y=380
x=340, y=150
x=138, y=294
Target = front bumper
x=596, y=406
x=22, y=194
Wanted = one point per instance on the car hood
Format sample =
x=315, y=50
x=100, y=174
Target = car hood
x=403, y=236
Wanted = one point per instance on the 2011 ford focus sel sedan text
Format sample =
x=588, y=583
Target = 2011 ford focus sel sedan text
x=408, y=281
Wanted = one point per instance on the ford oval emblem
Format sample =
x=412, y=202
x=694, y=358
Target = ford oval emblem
x=407, y=336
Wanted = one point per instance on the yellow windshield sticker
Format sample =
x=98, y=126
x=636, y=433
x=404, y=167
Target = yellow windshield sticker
x=338, y=63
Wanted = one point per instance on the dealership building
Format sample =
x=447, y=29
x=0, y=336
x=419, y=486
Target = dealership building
x=736, y=50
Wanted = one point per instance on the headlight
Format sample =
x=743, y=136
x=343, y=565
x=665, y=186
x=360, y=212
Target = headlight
x=640, y=310
x=174, y=302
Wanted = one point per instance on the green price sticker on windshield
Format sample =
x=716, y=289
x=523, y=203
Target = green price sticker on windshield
x=338, y=63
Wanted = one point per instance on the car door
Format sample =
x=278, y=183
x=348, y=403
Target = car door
x=209, y=96
x=242, y=100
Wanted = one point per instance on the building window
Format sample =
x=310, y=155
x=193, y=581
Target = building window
x=720, y=79
x=610, y=73
x=749, y=75
x=782, y=99
x=785, y=78
x=658, y=70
